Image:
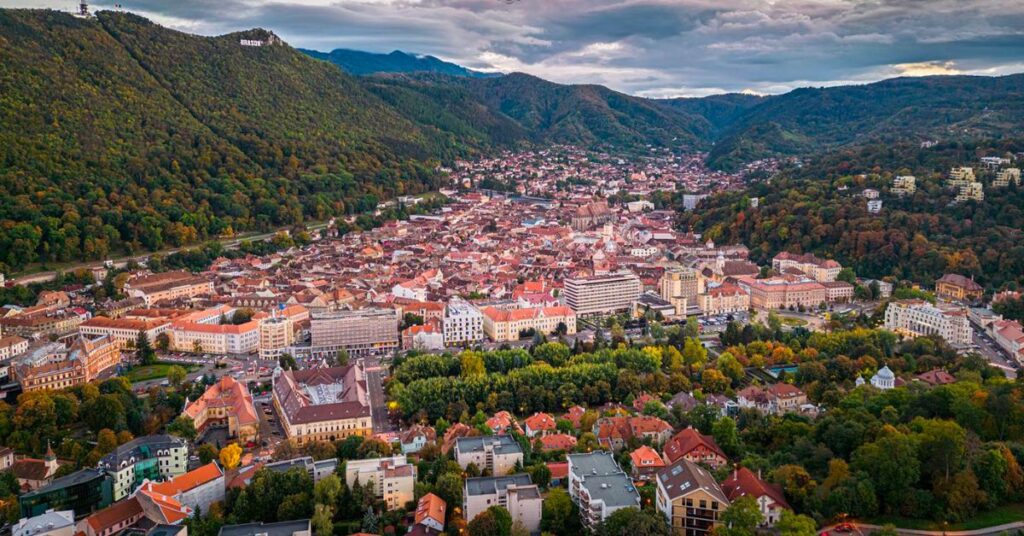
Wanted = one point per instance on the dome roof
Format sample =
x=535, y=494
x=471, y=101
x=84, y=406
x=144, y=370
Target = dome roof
x=885, y=374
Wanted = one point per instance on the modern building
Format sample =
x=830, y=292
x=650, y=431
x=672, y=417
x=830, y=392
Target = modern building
x=508, y=324
x=680, y=287
x=1006, y=176
x=84, y=491
x=516, y=493
x=393, y=478
x=226, y=404
x=602, y=294
x=154, y=458
x=599, y=487
x=358, y=332
x=317, y=469
x=299, y=527
x=690, y=499
x=904, y=185
x=497, y=454
x=324, y=404
x=462, y=324
x=275, y=335
x=49, y=523
x=918, y=318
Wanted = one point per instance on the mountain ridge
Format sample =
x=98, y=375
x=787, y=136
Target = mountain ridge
x=360, y=62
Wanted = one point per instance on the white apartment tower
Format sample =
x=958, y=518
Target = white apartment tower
x=463, y=323
x=602, y=294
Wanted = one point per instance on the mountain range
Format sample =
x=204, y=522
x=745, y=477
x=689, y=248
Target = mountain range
x=131, y=136
x=359, y=62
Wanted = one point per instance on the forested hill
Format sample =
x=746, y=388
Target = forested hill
x=809, y=120
x=360, y=62
x=817, y=208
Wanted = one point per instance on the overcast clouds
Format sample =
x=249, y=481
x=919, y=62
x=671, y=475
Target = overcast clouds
x=647, y=47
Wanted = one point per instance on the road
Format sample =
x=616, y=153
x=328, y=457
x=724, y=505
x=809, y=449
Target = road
x=378, y=402
x=228, y=243
x=993, y=353
x=862, y=529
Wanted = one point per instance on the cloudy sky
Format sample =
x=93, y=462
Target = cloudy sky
x=656, y=48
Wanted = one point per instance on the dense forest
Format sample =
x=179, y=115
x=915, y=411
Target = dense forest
x=817, y=208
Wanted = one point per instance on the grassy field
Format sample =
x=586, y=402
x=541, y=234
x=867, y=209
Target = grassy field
x=992, y=518
x=153, y=372
x=793, y=321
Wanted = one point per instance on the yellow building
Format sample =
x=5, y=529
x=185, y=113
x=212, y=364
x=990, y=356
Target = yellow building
x=689, y=498
x=324, y=404
x=502, y=325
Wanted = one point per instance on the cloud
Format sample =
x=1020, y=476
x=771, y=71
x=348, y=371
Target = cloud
x=644, y=47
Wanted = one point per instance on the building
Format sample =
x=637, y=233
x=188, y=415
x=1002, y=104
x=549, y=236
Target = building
x=884, y=379
x=196, y=489
x=417, y=437
x=972, y=191
x=124, y=331
x=690, y=499
x=275, y=335
x=599, y=487
x=113, y=519
x=323, y=404
x=956, y=287
x=784, y=292
x=497, y=454
x=299, y=527
x=874, y=206
x=509, y=324
x=393, y=478
x=359, y=332
x=49, y=523
x=959, y=176
x=680, y=287
x=43, y=323
x=904, y=185
x=689, y=444
x=646, y=463
x=820, y=270
x=1006, y=176
x=838, y=291
x=870, y=193
x=33, y=473
x=463, y=323
x=591, y=215
x=167, y=286
x=213, y=331
x=60, y=365
x=427, y=337
x=918, y=318
x=724, y=299
x=539, y=424
x=84, y=491
x=11, y=346
x=154, y=458
x=602, y=294
x=1009, y=335
x=516, y=493
x=775, y=399
x=225, y=404
x=316, y=469
x=430, y=513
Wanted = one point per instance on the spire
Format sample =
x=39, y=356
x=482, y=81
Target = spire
x=49, y=452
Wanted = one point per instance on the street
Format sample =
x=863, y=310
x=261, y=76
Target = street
x=378, y=402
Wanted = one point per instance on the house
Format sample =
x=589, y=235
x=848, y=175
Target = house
x=956, y=287
x=497, y=454
x=936, y=377
x=196, y=489
x=552, y=442
x=615, y=432
x=775, y=399
x=6, y=458
x=539, y=424
x=599, y=487
x=575, y=416
x=50, y=523
x=516, y=493
x=33, y=473
x=559, y=472
x=646, y=463
x=641, y=401
x=696, y=447
x=113, y=519
x=684, y=400
x=430, y=512
x=770, y=499
x=416, y=437
x=689, y=498
x=503, y=422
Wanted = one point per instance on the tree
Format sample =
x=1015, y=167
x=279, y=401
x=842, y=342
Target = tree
x=892, y=461
x=323, y=520
x=207, y=453
x=371, y=523
x=163, y=341
x=147, y=356
x=692, y=328
x=558, y=513
x=176, y=375
x=847, y=275
x=230, y=456
x=741, y=518
x=793, y=524
x=449, y=487
x=632, y=521
x=287, y=362
x=724, y=432
x=494, y=521
x=183, y=426
x=341, y=360
x=327, y=490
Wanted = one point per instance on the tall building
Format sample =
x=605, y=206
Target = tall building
x=463, y=323
x=392, y=478
x=602, y=294
x=690, y=499
x=358, y=332
x=599, y=487
x=324, y=404
x=680, y=287
x=919, y=318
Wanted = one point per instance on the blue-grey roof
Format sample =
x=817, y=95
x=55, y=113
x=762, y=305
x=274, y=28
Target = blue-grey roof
x=595, y=463
x=281, y=528
x=503, y=444
x=489, y=485
x=141, y=448
x=615, y=490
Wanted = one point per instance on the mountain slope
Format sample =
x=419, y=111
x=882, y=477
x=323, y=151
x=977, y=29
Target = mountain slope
x=721, y=111
x=811, y=120
x=359, y=62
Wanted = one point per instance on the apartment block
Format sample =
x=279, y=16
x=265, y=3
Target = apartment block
x=358, y=332
x=680, y=287
x=516, y=493
x=463, y=323
x=393, y=478
x=155, y=458
x=904, y=185
x=602, y=294
x=599, y=487
x=690, y=499
x=497, y=454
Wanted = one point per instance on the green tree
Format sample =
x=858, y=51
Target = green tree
x=327, y=490
x=793, y=524
x=183, y=427
x=558, y=513
x=741, y=518
x=892, y=461
x=323, y=520
x=147, y=356
x=725, y=434
x=287, y=362
x=632, y=521
x=176, y=375
x=207, y=453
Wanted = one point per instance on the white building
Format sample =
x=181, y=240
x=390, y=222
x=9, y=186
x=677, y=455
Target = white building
x=51, y=523
x=904, y=185
x=884, y=379
x=155, y=457
x=602, y=294
x=463, y=323
x=516, y=493
x=497, y=454
x=599, y=487
x=919, y=318
x=393, y=478
x=874, y=206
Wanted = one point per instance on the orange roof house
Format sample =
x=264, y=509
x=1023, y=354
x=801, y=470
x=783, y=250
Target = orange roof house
x=430, y=512
x=539, y=424
x=646, y=463
x=695, y=447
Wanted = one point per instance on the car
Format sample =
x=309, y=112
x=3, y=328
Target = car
x=843, y=527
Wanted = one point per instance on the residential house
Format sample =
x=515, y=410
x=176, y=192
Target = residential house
x=696, y=447
x=690, y=499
